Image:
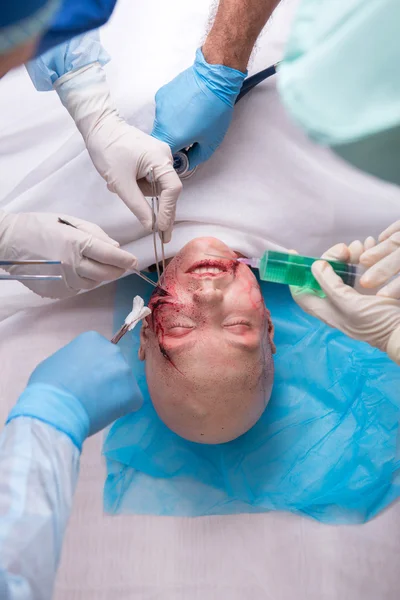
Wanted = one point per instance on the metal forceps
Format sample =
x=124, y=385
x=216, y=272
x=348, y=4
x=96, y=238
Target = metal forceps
x=155, y=208
x=11, y=277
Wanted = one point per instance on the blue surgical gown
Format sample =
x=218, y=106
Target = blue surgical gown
x=39, y=468
x=340, y=80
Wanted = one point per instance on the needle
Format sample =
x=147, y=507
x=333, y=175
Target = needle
x=150, y=281
x=219, y=256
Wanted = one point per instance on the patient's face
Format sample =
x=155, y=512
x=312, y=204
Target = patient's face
x=208, y=345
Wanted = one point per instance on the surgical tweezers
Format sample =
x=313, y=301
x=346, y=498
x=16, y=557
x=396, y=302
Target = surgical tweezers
x=155, y=209
x=11, y=277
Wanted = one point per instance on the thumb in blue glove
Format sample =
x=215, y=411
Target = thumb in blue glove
x=80, y=389
x=196, y=108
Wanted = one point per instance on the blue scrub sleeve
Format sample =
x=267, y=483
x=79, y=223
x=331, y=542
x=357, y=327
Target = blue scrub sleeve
x=20, y=22
x=69, y=56
x=73, y=18
x=39, y=468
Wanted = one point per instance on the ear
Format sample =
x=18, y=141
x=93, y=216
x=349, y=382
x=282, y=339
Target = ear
x=271, y=330
x=143, y=341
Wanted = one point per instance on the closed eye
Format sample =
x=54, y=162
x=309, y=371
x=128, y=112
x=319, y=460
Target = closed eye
x=238, y=326
x=179, y=330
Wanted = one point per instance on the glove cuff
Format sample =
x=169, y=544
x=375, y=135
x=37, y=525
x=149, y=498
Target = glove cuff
x=223, y=81
x=54, y=407
x=86, y=96
x=393, y=346
x=76, y=75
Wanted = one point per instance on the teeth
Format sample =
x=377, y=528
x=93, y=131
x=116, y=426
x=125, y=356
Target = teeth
x=212, y=270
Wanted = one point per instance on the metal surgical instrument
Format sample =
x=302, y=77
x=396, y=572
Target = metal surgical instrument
x=155, y=209
x=11, y=277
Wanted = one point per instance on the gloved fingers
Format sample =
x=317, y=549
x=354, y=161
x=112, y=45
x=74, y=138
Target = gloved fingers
x=171, y=187
x=394, y=228
x=83, y=284
x=96, y=272
x=383, y=249
x=90, y=228
x=146, y=188
x=391, y=290
x=197, y=155
x=309, y=302
x=167, y=234
x=369, y=243
x=134, y=199
x=159, y=132
x=350, y=253
x=339, y=252
x=170, y=99
x=356, y=248
x=339, y=294
x=107, y=254
x=383, y=269
x=75, y=282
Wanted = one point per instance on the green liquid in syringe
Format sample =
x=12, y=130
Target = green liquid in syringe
x=294, y=269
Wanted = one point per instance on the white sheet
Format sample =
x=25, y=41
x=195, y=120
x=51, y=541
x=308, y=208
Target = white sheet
x=266, y=186
x=297, y=195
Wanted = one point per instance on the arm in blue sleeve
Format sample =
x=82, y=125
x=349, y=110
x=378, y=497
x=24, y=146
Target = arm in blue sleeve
x=69, y=56
x=39, y=468
x=73, y=18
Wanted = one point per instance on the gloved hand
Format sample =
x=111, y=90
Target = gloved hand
x=196, y=108
x=88, y=254
x=80, y=389
x=384, y=263
x=122, y=154
x=372, y=319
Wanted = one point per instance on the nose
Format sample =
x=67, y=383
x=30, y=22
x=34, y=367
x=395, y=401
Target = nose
x=207, y=294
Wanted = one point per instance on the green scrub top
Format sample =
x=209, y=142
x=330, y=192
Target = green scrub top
x=340, y=80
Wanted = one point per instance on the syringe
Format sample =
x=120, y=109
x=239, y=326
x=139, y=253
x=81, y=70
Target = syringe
x=294, y=269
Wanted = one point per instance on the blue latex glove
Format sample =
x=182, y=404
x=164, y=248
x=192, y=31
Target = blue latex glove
x=196, y=108
x=81, y=388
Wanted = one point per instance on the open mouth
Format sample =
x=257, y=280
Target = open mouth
x=211, y=268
